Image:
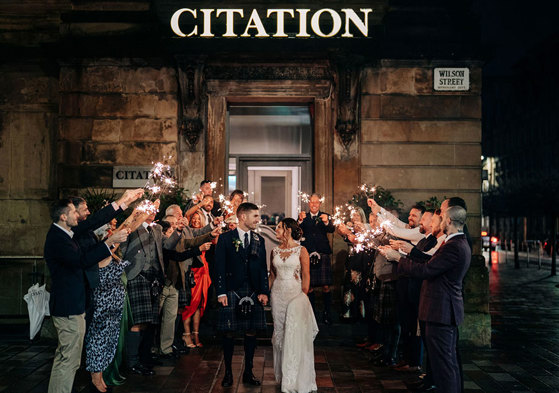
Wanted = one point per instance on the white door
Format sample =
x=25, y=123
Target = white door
x=276, y=188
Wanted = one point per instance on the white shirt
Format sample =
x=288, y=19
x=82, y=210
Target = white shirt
x=451, y=236
x=68, y=232
x=242, y=236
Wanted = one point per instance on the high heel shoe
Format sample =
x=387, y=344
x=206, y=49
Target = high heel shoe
x=197, y=340
x=187, y=340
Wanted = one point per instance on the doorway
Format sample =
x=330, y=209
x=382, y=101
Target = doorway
x=270, y=156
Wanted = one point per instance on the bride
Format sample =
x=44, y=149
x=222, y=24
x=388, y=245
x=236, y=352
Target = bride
x=294, y=324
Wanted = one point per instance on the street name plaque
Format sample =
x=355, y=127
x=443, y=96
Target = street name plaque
x=451, y=79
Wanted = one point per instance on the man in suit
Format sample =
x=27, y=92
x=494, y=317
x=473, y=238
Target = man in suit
x=66, y=262
x=205, y=190
x=316, y=225
x=146, y=277
x=242, y=273
x=441, y=303
x=83, y=233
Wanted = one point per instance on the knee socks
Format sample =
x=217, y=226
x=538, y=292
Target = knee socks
x=228, y=345
x=132, y=345
x=250, y=346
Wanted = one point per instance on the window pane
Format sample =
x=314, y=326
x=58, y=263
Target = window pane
x=269, y=130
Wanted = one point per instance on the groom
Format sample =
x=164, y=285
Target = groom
x=240, y=260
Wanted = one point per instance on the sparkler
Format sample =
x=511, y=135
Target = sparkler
x=368, y=190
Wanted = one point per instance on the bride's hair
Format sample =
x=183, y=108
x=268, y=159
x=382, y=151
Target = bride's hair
x=296, y=231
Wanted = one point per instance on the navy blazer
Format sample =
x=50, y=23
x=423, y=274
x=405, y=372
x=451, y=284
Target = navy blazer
x=441, y=293
x=230, y=263
x=315, y=234
x=85, y=237
x=66, y=262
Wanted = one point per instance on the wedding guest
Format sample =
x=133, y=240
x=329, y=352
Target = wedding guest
x=146, y=277
x=316, y=226
x=66, y=262
x=205, y=189
x=103, y=334
x=236, y=198
x=441, y=303
x=356, y=265
x=199, y=293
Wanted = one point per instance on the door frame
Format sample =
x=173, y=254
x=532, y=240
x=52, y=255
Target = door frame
x=296, y=83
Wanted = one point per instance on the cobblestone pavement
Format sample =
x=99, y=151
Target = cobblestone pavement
x=524, y=356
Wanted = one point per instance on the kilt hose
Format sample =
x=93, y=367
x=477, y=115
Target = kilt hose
x=321, y=275
x=229, y=321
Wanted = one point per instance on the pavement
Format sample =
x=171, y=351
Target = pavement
x=524, y=356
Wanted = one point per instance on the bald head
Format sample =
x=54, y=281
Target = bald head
x=453, y=220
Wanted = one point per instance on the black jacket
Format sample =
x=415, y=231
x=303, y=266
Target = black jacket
x=85, y=237
x=231, y=261
x=315, y=234
x=66, y=262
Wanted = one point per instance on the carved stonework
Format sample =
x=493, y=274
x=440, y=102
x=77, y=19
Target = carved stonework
x=262, y=72
x=190, y=74
x=347, y=124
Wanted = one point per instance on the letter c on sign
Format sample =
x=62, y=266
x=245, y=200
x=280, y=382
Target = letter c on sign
x=120, y=175
x=175, y=22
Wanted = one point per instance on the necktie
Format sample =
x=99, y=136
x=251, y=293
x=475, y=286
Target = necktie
x=246, y=240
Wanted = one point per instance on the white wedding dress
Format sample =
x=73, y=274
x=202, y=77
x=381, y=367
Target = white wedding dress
x=294, y=325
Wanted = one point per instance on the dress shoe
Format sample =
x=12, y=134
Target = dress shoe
x=426, y=389
x=181, y=349
x=374, y=347
x=140, y=369
x=227, y=379
x=364, y=344
x=401, y=363
x=167, y=356
x=250, y=379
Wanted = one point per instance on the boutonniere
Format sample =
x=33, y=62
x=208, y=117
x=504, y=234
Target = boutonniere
x=237, y=243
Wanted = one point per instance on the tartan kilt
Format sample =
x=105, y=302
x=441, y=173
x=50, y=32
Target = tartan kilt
x=144, y=308
x=322, y=274
x=384, y=306
x=228, y=321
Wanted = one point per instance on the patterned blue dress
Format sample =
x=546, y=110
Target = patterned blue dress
x=108, y=300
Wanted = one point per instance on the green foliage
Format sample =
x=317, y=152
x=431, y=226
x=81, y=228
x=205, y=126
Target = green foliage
x=432, y=203
x=383, y=197
x=176, y=196
x=98, y=198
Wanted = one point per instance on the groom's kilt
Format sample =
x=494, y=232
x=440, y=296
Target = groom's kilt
x=322, y=274
x=230, y=322
x=145, y=309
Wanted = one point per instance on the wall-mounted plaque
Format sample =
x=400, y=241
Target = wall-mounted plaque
x=451, y=79
x=131, y=176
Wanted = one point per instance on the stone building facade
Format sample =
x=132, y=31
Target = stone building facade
x=92, y=85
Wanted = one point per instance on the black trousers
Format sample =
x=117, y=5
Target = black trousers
x=441, y=348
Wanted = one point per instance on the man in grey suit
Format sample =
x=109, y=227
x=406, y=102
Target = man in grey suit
x=441, y=304
x=146, y=277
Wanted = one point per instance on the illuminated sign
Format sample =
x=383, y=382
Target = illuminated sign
x=324, y=22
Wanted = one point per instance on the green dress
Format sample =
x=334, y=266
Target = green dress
x=112, y=375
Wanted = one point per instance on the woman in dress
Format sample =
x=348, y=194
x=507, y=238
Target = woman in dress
x=294, y=324
x=103, y=333
x=199, y=294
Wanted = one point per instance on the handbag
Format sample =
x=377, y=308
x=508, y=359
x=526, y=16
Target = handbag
x=189, y=279
x=244, y=306
x=314, y=259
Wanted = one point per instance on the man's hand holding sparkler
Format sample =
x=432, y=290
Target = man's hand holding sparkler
x=218, y=221
x=324, y=218
x=117, y=237
x=216, y=232
x=130, y=196
x=389, y=253
x=302, y=216
x=401, y=245
x=375, y=208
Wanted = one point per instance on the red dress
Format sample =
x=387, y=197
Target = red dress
x=200, y=290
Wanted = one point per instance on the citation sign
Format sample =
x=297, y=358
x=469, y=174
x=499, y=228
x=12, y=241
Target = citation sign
x=451, y=79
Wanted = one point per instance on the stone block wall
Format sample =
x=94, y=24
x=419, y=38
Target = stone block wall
x=28, y=122
x=419, y=143
x=114, y=112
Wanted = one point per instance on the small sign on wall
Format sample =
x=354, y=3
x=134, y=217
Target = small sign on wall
x=451, y=79
x=131, y=176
